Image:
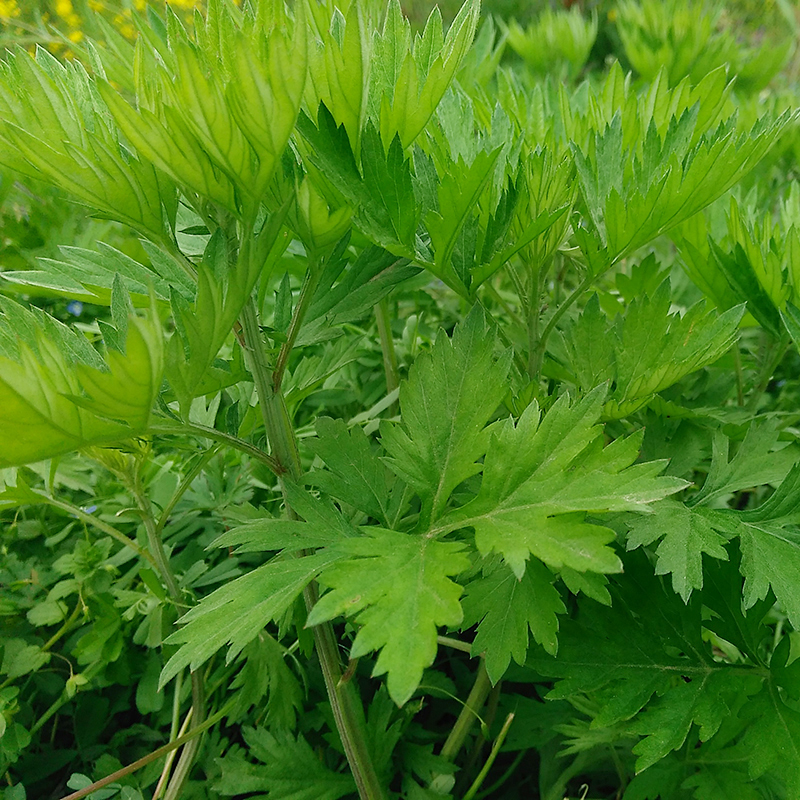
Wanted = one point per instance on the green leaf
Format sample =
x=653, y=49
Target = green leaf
x=771, y=559
x=290, y=770
x=398, y=588
x=55, y=399
x=506, y=609
x=223, y=288
x=650, y=349
x=705, y=701
x=772, y=738
x=758, y=461
x=235, y=613
x=450, y=395
x=355, y=474
x=537, y=488
x=458, y=194
x=387, y=180
x=685, y=535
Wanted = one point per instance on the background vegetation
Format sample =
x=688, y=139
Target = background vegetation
x=83, y=620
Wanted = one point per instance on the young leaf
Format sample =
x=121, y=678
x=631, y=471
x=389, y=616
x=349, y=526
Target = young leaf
x=398, y=588
x=55, y=399
x=506, y=608
x=449, y=396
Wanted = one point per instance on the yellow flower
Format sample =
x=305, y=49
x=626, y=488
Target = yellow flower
x=75, y=36
x=64, y=8
x=9, y=8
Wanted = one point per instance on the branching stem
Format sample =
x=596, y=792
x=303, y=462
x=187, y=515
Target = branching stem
x=345, y=703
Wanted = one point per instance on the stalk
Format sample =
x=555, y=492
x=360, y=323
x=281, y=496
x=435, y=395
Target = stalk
x=189, y=752
x=303, y=302
x=345, y=703
x=387, y=346
x=145, y=760
x=469, y=713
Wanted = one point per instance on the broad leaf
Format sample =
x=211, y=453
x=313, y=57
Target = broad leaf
x=450, y=395
x=58, y=396
x=506, y=609
x=398, y=588
x=537, y=489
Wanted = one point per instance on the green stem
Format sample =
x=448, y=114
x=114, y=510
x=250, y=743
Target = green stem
x=512, y=768
x=189, y=752
x=538, y=356
x=65, y=628
x=154, y=539
x=180, y=428
x=280, y=432
x=456, y=644
x=778, y=351
x=345, y=703
x=737, y=359
x=469, y=713
x=83, y=516
x=387, y=345
x=183, y=488
x=303, y=302
x=150, y=757
x=498, y=743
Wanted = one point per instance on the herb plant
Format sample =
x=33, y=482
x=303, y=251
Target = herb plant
x=399, y=415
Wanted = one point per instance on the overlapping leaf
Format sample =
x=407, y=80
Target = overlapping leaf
x=399, y=590
x=506, y=609
x=450, y=395
x=541, y=477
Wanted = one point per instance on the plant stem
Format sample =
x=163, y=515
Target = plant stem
x=83, y=516
x=145, y=760
x=538, y=356
x=498, y=743
x=154, y=539
x=303, y=302
x=456, y=644
x=345, y=703
x=181, y=428
x=162, y=781
x=280, y=432
x=189, y=752
x=387, y=345
x=737, y=358
x=777, y=352
x=469, y=713
x=183, y=488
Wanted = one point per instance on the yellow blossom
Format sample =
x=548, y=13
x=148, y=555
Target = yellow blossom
x=9, y=8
